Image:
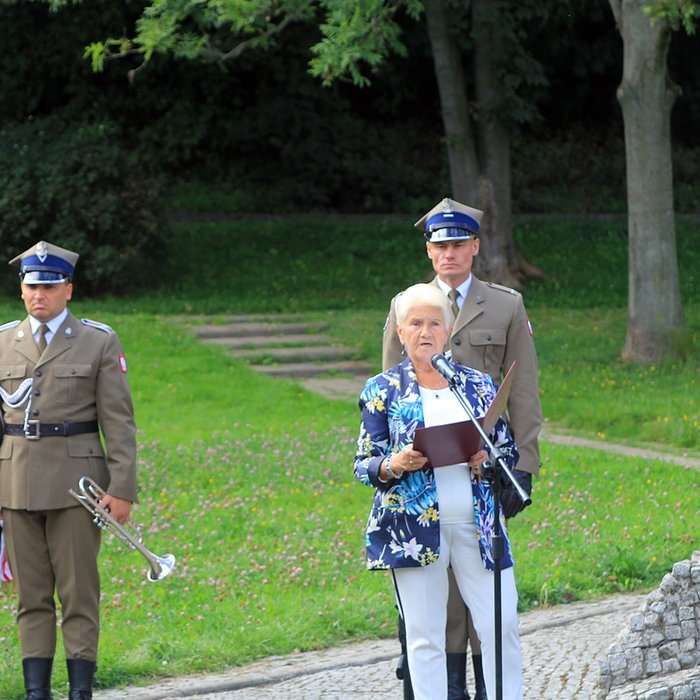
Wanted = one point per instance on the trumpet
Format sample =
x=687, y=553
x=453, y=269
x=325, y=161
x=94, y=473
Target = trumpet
x=130, y=533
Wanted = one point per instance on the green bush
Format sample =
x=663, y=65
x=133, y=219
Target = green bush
x=78, y=187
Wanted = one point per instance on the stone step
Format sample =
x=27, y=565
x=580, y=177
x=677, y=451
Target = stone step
x=238, y=330
x=192, y=319
x=309, y=353
x=295, y=370
x=337, y=388
x=284, y=345
x=261, y=341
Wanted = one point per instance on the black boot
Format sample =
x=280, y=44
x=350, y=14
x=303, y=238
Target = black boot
x=479, y=684
x=457, y=677
x=81, y=673
x=37, y=678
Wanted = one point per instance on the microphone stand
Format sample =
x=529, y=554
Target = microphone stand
x=497, y=545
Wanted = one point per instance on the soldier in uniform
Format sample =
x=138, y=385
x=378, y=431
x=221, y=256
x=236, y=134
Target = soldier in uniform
x=491, y=330
x=62, y=382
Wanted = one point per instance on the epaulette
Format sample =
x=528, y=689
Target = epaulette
x=392, y=307
x=96, y=324
x=493, y=285
x=10, y=324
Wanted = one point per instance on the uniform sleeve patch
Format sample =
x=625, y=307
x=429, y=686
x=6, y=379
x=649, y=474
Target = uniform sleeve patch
x=122, y=363
x=96, y=324
x=529, y=326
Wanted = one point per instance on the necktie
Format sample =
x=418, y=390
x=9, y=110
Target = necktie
x=41, y=343
x=453, y=295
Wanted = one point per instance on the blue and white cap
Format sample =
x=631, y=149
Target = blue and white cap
x=45, y=263
x=450, y=221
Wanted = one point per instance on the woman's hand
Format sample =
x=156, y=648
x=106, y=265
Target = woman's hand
x=409, y=460
x=475, y=462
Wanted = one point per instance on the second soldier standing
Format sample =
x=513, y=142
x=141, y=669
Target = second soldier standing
x=490, y=332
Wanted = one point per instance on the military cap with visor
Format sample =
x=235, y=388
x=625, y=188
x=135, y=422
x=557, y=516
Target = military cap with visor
x=450, y=221
x=45, y=263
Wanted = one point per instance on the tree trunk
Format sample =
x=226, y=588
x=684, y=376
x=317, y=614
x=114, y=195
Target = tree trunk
x=479, y=179
x=655, y=325
x=461, y=149
x=498, y=259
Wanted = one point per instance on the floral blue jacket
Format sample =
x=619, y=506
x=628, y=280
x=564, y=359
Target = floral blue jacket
x=403, y=528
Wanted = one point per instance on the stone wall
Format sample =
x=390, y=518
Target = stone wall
x=657, y=657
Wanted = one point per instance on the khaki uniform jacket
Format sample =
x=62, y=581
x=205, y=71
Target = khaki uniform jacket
x=81, y=376
x=490, y=332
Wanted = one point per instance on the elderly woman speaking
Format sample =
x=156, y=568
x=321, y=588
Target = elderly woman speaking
x=425, y=519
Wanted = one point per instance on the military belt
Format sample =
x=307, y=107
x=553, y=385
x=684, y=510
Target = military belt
x=36, y=429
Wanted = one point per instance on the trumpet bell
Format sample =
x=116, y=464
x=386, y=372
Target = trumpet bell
x=164, y=565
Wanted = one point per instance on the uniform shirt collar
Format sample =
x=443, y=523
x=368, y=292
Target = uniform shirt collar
x=463, y=289
x=54, y=324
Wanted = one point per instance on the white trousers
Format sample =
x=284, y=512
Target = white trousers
x=423, y=593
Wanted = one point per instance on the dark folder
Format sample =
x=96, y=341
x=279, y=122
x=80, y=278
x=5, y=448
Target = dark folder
x=457, y=442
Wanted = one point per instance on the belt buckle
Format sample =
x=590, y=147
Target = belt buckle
x=36, y=434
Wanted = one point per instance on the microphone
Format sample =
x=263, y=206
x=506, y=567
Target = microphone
x=444, y=367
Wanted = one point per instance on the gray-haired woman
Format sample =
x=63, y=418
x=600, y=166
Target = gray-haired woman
x=425, y=519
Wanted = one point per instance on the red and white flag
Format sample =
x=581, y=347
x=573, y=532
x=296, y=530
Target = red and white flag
x=5, y=573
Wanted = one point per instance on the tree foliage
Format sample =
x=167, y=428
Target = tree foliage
x=359, y=33
x=79, y=188
x=266, y=131
x=259, y=127
x=678, y=13
x=208, y=29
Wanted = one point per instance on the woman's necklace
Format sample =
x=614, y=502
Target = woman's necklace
x=431, y=380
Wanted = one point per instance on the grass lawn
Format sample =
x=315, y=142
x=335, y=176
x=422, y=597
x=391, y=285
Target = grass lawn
x=248, y=480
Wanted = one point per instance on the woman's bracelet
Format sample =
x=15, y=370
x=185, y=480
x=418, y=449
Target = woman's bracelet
x=387, y=466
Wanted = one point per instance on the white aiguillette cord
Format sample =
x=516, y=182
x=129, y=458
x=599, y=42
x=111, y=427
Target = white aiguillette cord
x=19, y=398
